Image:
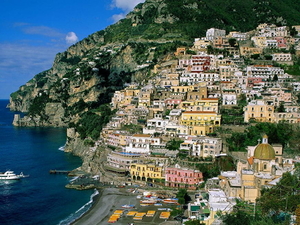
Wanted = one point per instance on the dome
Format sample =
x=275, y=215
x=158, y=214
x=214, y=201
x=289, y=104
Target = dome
x=264, y=150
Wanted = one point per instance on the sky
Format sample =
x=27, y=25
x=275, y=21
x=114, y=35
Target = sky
x=32, y=32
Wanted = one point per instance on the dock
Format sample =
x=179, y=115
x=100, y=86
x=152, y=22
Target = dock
x=59, y=171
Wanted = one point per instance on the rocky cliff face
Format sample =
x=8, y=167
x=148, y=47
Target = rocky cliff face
x=92, y=157
x=86, y=75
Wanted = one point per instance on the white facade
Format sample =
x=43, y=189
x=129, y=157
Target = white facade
x=229, y=98
x=282, y=57
x=194, y=78
x=261, y=71
x=140, y=143
x=213, y=33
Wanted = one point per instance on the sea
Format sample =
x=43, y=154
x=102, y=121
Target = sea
x=40, y=198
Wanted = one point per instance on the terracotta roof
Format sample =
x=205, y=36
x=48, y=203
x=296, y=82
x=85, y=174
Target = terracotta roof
x=251, y=160
x=201, y=112
x=209, y=99
x=141, y=135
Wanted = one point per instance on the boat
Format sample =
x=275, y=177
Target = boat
x=128, y=206
x=10, y=175
x=170, y=201
x=148, y=201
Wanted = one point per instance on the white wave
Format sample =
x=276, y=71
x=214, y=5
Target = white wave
x=75, y=178
x=80, y=211
x=62, y=148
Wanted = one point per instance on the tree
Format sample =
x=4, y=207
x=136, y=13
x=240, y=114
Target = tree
x=254, y=56
x=174, y=144
x=293, y=31
x=235, y=218
x=281, y=107
x=268, y=57
x=232, y=42
x=183, y=197
x=285, y=196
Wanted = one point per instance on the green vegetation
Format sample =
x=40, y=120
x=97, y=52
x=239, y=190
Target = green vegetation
x=235, y=114
x=174, y=144
x=273, y=207
x=92, y=122
x=38, y=104
x=183, y=197
x=293, y=69
x=230, y=15
x=281, y=133
x=213, y=169
x=132, y=128
x=72, y=60
x=285, y=196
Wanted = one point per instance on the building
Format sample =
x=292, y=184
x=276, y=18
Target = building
x=200, y=122
x=203, y=146
x=119, y=162
x=182, y=177
x=213, y=33
x=146, y=172
x=140, y=143
x=264, y=164
x=259, y=110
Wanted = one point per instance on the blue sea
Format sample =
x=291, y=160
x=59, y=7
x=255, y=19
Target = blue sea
x=40, y=198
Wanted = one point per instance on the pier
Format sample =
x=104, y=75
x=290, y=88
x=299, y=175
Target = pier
x=59, y=171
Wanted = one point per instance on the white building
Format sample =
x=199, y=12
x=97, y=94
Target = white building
x=229, y=97
x=140, y=143
x=213, y=33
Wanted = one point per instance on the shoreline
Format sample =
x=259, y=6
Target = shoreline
x=108, y=200
x=95, y=202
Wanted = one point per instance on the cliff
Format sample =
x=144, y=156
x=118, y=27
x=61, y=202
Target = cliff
x=92, y=69
x=84, y=77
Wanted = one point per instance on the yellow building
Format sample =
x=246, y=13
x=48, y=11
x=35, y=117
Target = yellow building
x=171, y=79
x=146, y=172
x=258, y=110
x=248, y=51
x=145, y=98
x=132, y=92
x=204, y=104
x=181, y=89
x=200, y=122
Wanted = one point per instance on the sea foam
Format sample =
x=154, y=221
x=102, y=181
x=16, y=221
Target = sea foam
x=80, y=212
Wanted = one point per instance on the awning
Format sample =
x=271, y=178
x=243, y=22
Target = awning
x=195, y=208
x=206, y=211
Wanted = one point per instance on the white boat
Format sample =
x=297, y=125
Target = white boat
x=128, y=206
x=10, y=175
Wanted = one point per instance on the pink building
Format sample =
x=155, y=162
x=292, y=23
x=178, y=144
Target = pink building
x=183, y=177
x=171, y=103
x=251, y=81
x=281, y=42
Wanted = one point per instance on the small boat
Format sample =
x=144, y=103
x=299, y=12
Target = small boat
x=170, y=201
x=148, y=201
x=10, y=175
x=128, y=206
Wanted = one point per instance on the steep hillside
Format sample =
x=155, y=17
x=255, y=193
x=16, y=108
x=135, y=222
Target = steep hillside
x=87, y=74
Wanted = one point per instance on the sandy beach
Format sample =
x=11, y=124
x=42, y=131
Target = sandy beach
x=111, y=199
x=106, y=202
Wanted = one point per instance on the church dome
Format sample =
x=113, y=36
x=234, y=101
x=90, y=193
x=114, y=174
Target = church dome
x=264, y=150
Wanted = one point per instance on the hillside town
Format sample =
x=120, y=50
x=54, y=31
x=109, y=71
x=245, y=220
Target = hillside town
x=182, y=103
